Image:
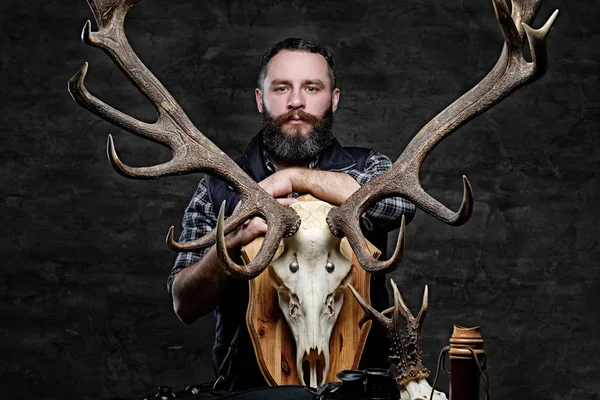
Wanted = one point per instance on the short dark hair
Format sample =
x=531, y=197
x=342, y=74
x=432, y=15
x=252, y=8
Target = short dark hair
x=296, y=44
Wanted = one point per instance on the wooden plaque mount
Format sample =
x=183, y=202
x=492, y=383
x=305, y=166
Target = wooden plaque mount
x=272, y=339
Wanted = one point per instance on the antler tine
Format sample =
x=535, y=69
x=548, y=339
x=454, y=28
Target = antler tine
x=242, y=214
x=192, y=151
x=85, y=99
x=404, y=338
x=359, y=246
x=400, y=306
x=258, y=264
x=424, y=307
x=370, y=312
x=510, y=72
x=171, y=167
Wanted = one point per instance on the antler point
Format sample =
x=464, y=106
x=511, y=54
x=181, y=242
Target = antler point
x=466, y=207
x=113, y=157
x=75, y=84
x=351, y=287
x=549, y=24
x=86, y=32
x=541, y=33
x=171, y=240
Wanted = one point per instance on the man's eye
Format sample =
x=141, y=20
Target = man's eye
x=312, y=89
x=280, y=89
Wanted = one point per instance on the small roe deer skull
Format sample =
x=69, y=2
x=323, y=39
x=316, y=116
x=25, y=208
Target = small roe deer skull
x=404, y=335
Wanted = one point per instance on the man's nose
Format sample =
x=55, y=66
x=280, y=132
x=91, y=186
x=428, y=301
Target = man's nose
x=296, y=100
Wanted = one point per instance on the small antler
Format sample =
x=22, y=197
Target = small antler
x=192, y=151
x=511, y=71
x=404, y=336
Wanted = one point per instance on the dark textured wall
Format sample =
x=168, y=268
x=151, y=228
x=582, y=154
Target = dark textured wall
x=84, y=312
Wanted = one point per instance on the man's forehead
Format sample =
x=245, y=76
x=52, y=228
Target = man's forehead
x=297, y=66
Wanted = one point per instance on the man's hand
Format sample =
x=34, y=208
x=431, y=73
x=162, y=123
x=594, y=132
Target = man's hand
x=249, y=230
x=329, y=186
x=278, y=184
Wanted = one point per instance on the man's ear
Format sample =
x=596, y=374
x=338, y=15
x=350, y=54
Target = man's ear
x=335, y=99
x=259, y=99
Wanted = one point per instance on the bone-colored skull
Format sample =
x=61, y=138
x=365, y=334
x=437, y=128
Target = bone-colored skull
x=310, y=277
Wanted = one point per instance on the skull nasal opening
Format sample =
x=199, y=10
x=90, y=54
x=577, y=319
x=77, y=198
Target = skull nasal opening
x=313, y=366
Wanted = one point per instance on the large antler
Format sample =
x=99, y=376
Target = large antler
x=192, y=151
x=510, y=72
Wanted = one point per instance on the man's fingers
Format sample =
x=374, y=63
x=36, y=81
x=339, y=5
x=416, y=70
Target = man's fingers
x=256, y=227
x=255, y=224
x=260, y=225
x=278, y=184
x=286, y=201
x=247, y=232
x=263, y=225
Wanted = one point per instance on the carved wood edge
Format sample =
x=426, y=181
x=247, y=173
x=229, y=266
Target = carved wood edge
x=278, y=364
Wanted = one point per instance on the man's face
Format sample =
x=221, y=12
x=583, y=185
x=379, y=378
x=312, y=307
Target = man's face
x=297, y=103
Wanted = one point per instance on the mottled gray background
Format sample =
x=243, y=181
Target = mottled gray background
x=84, y=312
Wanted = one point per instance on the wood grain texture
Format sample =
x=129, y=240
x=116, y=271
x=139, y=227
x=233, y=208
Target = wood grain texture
x=271, y=336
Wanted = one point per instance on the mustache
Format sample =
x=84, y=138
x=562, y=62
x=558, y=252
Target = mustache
x=295, y=114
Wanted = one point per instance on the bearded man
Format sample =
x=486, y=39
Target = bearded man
x=294, y=153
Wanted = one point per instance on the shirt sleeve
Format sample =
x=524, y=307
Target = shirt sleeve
x=387, y=212
x=199, y=219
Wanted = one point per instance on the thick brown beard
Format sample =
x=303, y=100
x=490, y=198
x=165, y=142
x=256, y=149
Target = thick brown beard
x=297, y=147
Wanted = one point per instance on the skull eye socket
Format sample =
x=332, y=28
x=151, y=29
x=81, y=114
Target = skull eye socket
x=294, y=266
x=294, y=304
x=329, y=266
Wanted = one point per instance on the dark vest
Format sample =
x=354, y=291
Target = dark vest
x=233, y=353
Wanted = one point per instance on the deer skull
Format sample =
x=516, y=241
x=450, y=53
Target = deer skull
x=310, y=277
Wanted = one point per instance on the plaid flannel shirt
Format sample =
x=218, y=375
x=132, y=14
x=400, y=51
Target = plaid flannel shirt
x=200, y=218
